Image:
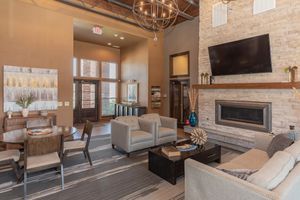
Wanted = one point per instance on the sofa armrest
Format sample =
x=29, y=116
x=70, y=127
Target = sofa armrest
x=203, y=182
x=168, y=122
x=147, y=125
x=120, y=135
x=262, y=141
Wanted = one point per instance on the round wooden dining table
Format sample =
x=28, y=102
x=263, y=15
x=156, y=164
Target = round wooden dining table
x=17, y=136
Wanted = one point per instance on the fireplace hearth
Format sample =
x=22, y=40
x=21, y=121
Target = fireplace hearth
x=245, y=114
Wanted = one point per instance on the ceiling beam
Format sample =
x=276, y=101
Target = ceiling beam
x=124, y=5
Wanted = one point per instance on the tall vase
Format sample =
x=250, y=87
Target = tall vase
x=25, y=112
x=193, y=119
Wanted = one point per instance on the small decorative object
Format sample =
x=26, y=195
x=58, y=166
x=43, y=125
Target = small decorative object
x=292, y=133
x=211, y=80
x=193, y=96
x=9, y=114
x=198, y=136
x=44, y=113
x=206, y=78
x=202, y=78
x=24, y=102
x=186, y=147
x=292, y=73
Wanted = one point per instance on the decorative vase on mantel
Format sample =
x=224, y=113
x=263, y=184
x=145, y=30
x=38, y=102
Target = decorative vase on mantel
x=25, y=112
x=193, y=119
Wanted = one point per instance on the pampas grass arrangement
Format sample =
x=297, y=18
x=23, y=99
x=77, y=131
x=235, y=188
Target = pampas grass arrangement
x=193, y=96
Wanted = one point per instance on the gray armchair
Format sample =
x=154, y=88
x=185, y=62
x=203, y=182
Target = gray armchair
x=165, y=128
x=131, y=133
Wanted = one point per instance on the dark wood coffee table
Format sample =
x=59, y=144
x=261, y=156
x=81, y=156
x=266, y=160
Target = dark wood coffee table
x=170, y=168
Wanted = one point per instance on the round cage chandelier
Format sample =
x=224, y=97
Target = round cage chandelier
x=155, y=15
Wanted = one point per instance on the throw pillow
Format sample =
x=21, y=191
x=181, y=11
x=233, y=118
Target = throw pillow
x=294, y=149
x=239, y=173
x=278, y=143
x=274, y=171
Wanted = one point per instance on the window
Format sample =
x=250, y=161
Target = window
x=88, y=95
x=89, y=68
x=109, y=70
x=109, y=98
x=74, y=67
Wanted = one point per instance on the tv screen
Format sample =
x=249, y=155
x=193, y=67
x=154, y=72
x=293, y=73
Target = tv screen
x=245, y=56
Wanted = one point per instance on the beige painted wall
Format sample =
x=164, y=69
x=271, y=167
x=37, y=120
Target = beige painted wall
x=178, y=39
x=35, y=37
x=96, y=52
x=134, y=66
x=283, y=25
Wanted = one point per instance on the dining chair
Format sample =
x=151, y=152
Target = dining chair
x=42, y=153
x=11, y=157
x=81, y=145
x=39, y=123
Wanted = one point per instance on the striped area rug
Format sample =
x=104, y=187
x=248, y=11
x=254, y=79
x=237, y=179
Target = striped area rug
x=112, y=176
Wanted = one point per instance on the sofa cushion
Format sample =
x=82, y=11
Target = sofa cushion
x=253, y=159
x=279, y=143
x=140, y=136
x=165, y=132
x=153, y=117
x=294, y=149
x=289, y=188
x=131, y=121
x=274, y=171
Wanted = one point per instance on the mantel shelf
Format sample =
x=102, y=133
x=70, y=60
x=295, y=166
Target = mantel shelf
x=274, y=85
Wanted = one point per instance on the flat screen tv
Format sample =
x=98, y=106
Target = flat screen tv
x=245, y=56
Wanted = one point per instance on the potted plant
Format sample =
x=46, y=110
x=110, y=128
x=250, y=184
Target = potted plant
x=193, y=96
x=24, y=101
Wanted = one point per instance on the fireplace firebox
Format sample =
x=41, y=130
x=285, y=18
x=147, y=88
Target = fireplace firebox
x=245, y=114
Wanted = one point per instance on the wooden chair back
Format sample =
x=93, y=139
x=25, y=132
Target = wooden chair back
x=87, y=130
x=44, y=144
x=39, y=123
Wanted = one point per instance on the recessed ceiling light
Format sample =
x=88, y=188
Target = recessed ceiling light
x=122, y=38
x=116, y=46
x=109, y=44
x=116, y=35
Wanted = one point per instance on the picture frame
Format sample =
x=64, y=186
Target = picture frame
x=179, y=65
x=133, y=92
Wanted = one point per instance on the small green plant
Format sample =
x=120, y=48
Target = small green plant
x=24, y=101
x=289, y=69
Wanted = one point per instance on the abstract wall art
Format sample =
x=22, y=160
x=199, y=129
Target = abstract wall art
x=40, y=82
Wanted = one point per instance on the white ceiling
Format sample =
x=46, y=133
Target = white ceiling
x=83, y=32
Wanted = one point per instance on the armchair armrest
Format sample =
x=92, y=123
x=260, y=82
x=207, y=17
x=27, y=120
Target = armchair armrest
x=262, y=141
x=203, y=182
x=120, y=134
x=147, y=125
x=168, y=122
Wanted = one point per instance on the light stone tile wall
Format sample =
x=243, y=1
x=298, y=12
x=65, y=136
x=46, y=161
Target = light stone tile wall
x=283, y=25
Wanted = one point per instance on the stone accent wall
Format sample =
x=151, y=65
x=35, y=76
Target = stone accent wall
x=283, y=25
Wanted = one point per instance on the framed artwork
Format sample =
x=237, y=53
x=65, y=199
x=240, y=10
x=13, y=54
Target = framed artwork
x=40, y=82
x=133, y=92
x=180, y=65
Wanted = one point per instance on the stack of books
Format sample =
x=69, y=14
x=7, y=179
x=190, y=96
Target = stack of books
x=170, y=151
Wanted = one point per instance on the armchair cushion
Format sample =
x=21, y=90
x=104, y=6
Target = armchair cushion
x=131, y=121
x=140, y=136
x=45, y=160
x=165, y=132
x=10, y=154
x=72, y=145
x=153, y=117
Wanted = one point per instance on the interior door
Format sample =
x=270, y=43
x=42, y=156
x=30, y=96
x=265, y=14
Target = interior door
x=86, y=100
x=179, y=102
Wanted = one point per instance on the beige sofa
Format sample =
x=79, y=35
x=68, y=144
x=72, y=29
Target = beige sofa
x=203, y=182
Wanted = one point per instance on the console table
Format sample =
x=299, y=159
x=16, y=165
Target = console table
x=129, y=110
x=19, y=122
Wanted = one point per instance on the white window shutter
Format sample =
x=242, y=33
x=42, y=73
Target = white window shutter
x=219, y=14
x=260, y=6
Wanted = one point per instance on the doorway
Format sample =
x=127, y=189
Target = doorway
x=86, y=94
x=179, y=100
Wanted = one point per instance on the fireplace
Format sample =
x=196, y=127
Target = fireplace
x=245, y=114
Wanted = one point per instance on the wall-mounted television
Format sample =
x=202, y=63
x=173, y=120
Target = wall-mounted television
x=251, y=55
